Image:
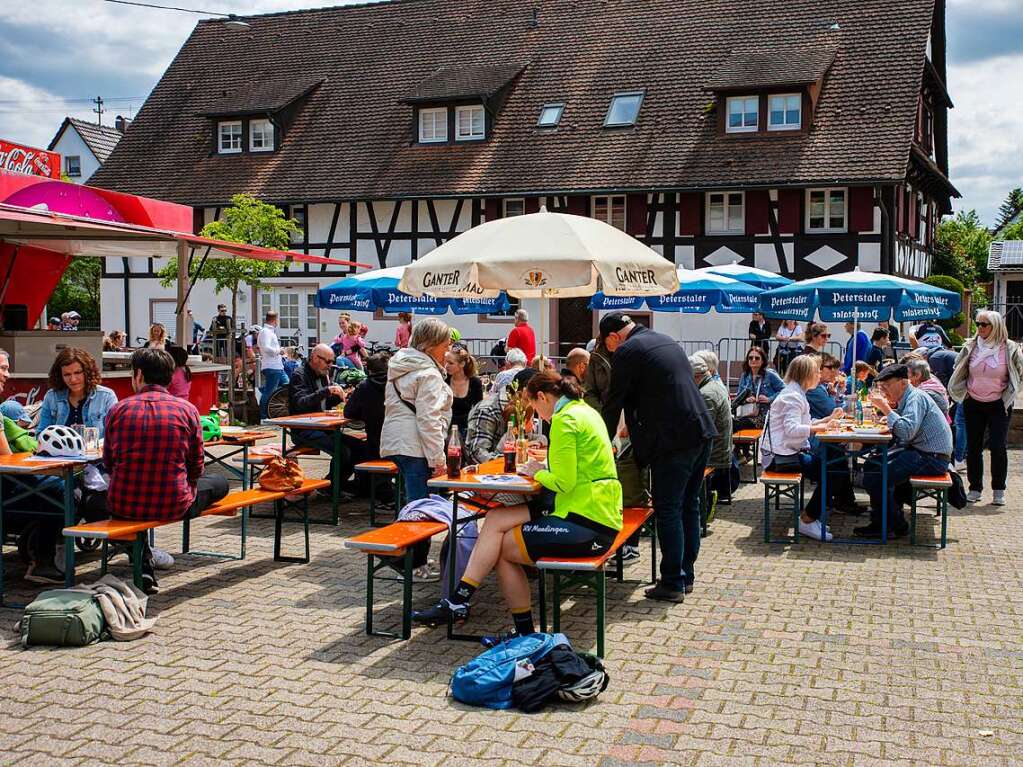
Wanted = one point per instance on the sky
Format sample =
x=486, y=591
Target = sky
x=57, y=55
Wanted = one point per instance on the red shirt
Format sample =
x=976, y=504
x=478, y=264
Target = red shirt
x=522, y=337
x=152, y=447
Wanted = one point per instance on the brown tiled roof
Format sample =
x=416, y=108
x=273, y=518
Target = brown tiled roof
x=353, y=136
x=100, y=139
x=261, y=96
x=464, y=82
x=748, y=70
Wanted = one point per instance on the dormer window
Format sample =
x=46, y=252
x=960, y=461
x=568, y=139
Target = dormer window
x=743, y=114
x=785, y=112
x=550, y=115
x=230, y=133
x=624, y=109
x=433, y=125
x=470, y=123
x=261, y=136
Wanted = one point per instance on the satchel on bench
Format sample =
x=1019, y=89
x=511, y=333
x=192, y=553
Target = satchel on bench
x=281, y=475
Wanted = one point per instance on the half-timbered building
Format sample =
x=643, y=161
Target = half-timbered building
x=801, y=136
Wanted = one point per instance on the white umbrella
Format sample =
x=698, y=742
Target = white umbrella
x=541, y=255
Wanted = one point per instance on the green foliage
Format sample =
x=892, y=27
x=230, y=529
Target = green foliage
x=250, y=221
x=1010, y=209
x=945, y=282
x=78, y=290
x=1013, y=232
x=961, y=249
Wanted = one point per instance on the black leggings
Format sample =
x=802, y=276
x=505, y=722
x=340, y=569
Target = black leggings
x=992, y=418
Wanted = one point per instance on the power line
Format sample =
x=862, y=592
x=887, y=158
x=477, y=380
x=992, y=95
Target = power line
x=69, y=101
x=166, y=7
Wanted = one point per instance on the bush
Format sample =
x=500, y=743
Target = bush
x=945, y=282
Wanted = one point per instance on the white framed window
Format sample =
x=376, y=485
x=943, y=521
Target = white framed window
x=230, y=137
x=624, y=109
x=610, y=209
x=73, y=165
x=433, y=125
x=550, y=115
x=516, y=206
x=726, y=213
x=785, y=112
x=827, y=210
x=261, y=136
x=743, y=114
x=469, y=123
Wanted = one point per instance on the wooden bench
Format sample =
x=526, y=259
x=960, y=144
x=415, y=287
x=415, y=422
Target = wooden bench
x=590, y=571
x=936, y=489
x=750, y=437
x=777, y=486
x=381, y=468
x=706, y=501
x=135, y=530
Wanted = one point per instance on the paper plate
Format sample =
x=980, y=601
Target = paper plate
x=232, y=429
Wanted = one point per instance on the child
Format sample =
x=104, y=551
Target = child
x=353, y=345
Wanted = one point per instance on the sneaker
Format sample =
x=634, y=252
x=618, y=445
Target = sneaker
x=813, y=530
x=149, y=584
x=425, y=574
x=973, y=496
x=162, y=560
x=440, y=612
x=851, y=508
x=874, y=531
x=44, y=573
x=630, y=553
x=960, y=467
x=663, y=593
x=999, y=499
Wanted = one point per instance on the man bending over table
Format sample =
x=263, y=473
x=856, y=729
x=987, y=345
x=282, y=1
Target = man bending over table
x=924, y=446
x=310, y=391
x=153, y=450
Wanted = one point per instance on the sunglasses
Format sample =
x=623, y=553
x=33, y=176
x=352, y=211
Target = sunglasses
x=753, y=357
x=983, y=324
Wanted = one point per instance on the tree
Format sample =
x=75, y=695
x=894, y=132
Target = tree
x=961, y=249
x=1010, y=208
x=250, y=221
x=78, y=290
x=1013, y=231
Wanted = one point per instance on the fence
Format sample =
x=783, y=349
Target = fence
x=732, y=353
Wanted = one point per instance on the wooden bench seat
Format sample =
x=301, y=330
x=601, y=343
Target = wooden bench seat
x=378, y=467
x=590, y=571
x=936, y=489
x=381, y=468
x=779, y=485
x=750, y=437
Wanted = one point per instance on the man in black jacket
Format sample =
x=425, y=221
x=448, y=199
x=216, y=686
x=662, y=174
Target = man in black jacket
x=310, y=391
x=671, y=432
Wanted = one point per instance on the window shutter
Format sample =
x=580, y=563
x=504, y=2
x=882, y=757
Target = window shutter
x=790, y=204
x=635, y=215
x=493, y=209
x=861, y=209
x=758, y=203
x=578, y=205
x=690, y=213
x=532, y=205
x=914, y=217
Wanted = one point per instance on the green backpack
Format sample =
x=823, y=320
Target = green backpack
x=62, y=618
x=18, y=438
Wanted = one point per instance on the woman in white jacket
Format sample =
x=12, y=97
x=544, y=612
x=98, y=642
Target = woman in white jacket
x=417, y=407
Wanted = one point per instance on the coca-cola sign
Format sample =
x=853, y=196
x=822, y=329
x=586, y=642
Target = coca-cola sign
x=15, y=158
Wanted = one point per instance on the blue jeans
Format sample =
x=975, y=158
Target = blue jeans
x=324, y=440
x=959, y=431
x=677, y=479
x=272, y=381
x=416, y=472
x=902, y=464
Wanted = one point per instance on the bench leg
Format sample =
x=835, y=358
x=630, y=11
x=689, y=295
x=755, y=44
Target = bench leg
x=186, y=534
x=136, y=560
x=912, y=517
x=370, y=572
x=406, y=597
x=278, y=531
x=541, y=588
x=601, y=606
x=767, y=514
x=556, y=607
x=103, y=558
x=944, y=518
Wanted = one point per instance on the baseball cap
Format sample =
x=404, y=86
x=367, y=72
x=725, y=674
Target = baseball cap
x=613, y=322
x=54, y=321
x=74, y=316
x=893, y=371
x=14, y=410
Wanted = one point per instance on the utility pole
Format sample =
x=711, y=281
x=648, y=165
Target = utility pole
x=99, y=110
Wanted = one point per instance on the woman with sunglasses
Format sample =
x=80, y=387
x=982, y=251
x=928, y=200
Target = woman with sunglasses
x=986, y=380
x=758, y=387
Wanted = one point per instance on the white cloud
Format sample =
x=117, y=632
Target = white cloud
x=23, y=124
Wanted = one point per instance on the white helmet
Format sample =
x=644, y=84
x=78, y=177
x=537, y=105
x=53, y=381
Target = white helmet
x=590, y=686
x=61, y=442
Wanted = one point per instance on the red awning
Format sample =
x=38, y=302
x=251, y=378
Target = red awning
x=78, y=236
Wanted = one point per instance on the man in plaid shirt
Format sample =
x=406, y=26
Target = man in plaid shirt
x=153, y=450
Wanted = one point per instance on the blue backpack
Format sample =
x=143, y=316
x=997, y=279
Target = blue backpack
x=487, y=679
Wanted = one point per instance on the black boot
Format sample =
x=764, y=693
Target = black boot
x=440, y=613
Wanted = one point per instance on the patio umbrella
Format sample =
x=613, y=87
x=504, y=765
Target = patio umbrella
x=542, y=255
x=378, y=289
x=699, y=292
x=759, y=278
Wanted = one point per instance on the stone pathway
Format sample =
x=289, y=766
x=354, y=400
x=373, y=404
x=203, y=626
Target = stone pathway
x=829, y=655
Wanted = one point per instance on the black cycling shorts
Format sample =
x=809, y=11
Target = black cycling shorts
x=550, y=536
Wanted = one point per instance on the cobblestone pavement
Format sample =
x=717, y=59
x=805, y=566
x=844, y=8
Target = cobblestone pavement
x=834, y=655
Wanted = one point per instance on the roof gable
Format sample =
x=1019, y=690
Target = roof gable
x=469, y=81
x=760, y=69
x=100, y=139
x=261, y=97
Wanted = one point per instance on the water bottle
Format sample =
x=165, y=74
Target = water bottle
x=859, y=411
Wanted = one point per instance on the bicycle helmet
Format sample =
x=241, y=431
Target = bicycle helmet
x=61, y=442
x=210, y=427
x=590, y=686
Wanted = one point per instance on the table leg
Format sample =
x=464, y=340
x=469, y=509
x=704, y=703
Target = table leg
x=824, y=498
x=69, y=521
x=452, y=551
x=335, y=478
x=884, y=493
x=245, y=486
x=2, y=571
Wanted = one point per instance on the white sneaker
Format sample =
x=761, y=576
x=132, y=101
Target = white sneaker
x=973, y=496
x=813, y=530
x=162, y=560
x=960, y=467
x=999, y=499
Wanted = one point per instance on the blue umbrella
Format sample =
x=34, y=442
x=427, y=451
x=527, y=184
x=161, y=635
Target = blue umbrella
x=860, y=296
x=699, y=292
x=758, y=278
x=378, y=289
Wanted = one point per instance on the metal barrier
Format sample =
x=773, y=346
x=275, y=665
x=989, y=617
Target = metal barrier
x=732, y=353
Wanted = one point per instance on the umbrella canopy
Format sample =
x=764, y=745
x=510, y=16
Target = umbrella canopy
x=862, y=296
x=378, y=289
x=699, y=292
x=542, y=255
x=758, y=278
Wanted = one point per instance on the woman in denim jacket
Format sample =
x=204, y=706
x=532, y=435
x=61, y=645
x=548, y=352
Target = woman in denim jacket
x=758, y=387
x=75, y=394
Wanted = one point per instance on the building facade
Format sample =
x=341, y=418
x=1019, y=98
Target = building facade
x=808, y=142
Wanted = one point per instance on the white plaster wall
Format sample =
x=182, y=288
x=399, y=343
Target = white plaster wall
x=71, y=144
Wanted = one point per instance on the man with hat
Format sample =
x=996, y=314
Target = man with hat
x=924, y=446
x=672, y=433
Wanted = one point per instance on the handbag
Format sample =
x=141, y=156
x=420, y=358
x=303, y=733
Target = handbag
x=62, y=618
x=281, y=475
x=750, y=409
